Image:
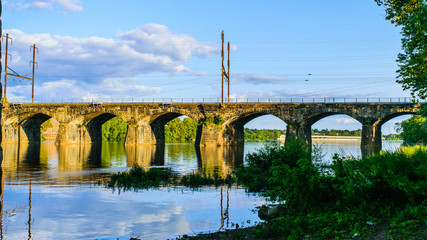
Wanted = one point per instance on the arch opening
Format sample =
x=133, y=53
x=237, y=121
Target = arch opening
x=395, y=133
x=94, y=126
x=335, y=133
x=180, y=129
x=263, y=127
x=31, y=128
x=49, y=130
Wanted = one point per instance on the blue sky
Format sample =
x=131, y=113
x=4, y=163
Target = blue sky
x=171, y=49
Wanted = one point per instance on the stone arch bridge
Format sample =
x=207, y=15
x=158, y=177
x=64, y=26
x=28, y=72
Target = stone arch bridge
x=82, y=122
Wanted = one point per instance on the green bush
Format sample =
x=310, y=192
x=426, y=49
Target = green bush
x=140, y=178
x=338, y=202
x=256, y=174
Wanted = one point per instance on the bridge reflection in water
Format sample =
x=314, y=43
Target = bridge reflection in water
x=68, y=165
x=50, y=160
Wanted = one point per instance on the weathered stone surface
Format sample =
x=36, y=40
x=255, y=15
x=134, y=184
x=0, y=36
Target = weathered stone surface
x=81, y=123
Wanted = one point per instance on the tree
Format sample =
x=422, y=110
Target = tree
x=114, y=130
x=177, y=130
x=413, y=130
x=412, y=16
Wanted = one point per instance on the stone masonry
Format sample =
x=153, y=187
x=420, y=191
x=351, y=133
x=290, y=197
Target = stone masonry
x=82, y=122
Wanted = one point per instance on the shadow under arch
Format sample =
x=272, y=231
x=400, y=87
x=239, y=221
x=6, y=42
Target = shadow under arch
x=94, y=126
x=31, y=127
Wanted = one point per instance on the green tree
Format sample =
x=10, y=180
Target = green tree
x=412, y=16
x=414, y=130
x=262, y=134
x=179, y=130
x=114, y=130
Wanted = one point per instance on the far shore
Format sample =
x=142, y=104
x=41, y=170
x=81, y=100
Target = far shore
x=329, y=138
x=337, y=138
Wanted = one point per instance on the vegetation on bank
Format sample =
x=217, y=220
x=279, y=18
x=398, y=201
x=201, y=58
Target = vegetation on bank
x=350, y=199
x=140, y=178
x=262, y=134
x=346, y=200
x=414, y=130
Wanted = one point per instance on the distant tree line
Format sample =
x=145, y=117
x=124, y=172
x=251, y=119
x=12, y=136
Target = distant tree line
x=262, y=134
x=334, y=132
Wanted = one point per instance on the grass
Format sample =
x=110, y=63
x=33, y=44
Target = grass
x=138, y=178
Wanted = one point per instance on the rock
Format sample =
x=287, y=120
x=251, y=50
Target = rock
x=271, y=212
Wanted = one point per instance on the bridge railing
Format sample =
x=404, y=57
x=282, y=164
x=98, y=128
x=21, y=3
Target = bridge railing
x=328, y=100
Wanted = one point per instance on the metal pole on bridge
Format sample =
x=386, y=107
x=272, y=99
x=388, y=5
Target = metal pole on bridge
x=222, y=68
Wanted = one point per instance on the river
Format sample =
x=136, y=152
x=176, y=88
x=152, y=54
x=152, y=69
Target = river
x=52, y=192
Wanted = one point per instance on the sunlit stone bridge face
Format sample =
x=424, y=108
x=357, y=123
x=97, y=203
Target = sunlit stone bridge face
x=82, y=122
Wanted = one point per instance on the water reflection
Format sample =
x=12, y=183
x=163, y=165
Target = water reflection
x=145, y=155
x=219, y=159
x=50, y=192
x=1, y=199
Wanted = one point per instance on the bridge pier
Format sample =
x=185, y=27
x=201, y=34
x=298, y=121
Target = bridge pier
x=220, y=135
x=301, y=131
x=145, y=134
x=10, y=132
x=72, y=133
x=209, y=135
x=371, y=139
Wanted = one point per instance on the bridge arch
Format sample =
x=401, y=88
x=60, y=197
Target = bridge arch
x=28, y=126
x=150, y=129
x=234, y=127
x=94, y=125
x=388, y=117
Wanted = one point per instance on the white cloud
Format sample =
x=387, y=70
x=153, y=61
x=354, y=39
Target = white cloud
x=157, y=39
x=346, y=120
x=102, y=67
x=70, y=5
x=66, y=5
x=41, y=5
x=256, y=78
x=149, y=49
x=67, y=90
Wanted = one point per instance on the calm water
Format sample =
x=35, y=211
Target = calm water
x=50, y=191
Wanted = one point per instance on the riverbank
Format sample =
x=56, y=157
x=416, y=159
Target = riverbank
x=376, y=197
x=375, y=231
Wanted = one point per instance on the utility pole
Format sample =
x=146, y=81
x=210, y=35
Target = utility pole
x=5, y=66
x=34, y=63
x=228, y=71
x=223, y=73
x=222, y=67
x=15, y=74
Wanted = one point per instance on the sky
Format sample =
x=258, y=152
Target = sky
x=137, y=49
